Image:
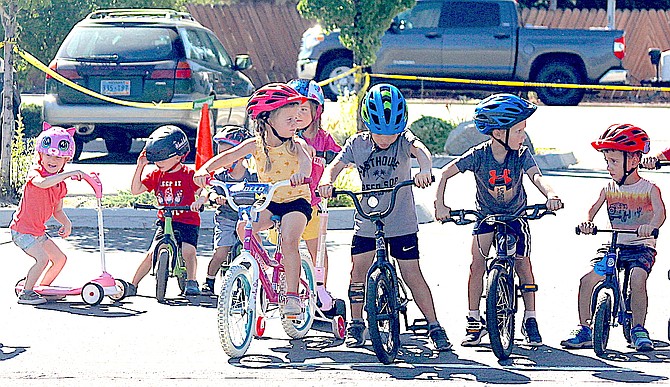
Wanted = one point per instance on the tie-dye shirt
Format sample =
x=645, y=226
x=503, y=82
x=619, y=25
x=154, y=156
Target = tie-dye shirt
x=628, y=207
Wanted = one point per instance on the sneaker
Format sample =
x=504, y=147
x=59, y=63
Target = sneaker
x=355, y=334
x=641, y=339
x=440, y=339
x=292, y=307
x=191, y=288
x=532, y=333
x=29, y=297
x=206, y=290
x=474, y=332
x=132, y=290
x=583, y=338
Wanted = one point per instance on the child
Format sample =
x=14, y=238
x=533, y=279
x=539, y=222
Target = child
x=42, y=198
x=225, y=220
x=323, y=148
x=279, y=156
x=633, y=203
x=172, y=183
x=382, y=157
x=498, y=166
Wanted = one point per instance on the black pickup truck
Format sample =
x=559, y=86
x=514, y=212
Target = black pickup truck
x=475, y=39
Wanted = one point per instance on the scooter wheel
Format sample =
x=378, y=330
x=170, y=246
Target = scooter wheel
x=341, y=308
x=338, y=327
x=122, y=287
x=92, y=293
x=19, y=286
x=259, y=327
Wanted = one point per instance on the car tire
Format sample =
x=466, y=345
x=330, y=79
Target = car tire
x=332, y=69
x=560, y=72
x=118, y=142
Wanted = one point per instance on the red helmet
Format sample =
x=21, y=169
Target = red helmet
x=623, y=137
x=271, y=97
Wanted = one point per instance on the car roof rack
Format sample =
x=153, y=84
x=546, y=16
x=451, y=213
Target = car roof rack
x=169, y=14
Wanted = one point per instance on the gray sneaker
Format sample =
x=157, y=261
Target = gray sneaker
x=292, y=308
x=29, y=297
x=355, y=334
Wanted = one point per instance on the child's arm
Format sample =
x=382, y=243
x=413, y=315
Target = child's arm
x=553, y=201
x=659, y=214
x=66, y=226
x=223, y=159
x=331, y=173
x=136, y=186
x=587, y=226
x=305, y=163
x=201, y=199
x=441, y=209
x=425, y=176
x=50, y=181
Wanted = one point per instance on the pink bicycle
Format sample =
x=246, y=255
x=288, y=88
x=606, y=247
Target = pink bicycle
x=243, y=305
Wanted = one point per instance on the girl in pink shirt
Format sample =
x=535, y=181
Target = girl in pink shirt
x=42, y=198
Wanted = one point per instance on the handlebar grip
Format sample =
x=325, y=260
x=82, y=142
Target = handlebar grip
x=142, y=206
x=654, y=233
x=579, y=232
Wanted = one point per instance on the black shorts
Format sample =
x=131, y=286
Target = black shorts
x=183, y=232
x=631, y=256
x=403, y=247
x=518, y=228
x=299, y=205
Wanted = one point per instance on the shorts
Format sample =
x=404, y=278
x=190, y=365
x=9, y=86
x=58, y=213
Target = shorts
x=184, y=233
x=519, y=228
x=311, y=230
x=403, y=247
x=631, y=256
x=225, y=231
x=26, y=241
x=299, y=205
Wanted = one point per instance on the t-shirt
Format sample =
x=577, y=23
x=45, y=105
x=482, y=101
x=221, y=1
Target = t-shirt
x=628, y=207
x=37, y=204
x=322, y=143
x=284, y=165
x=383, y=168
x=225, y=210
x=499, y=185
x=174, y=188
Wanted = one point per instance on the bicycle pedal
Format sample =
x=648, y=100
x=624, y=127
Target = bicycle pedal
x=419, y=327
x=526, y=288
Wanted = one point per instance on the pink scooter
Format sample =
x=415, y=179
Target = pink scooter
x=94, y=291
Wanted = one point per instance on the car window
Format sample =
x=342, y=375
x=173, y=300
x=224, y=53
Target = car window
x=199, y=47
x=125, y=44
x=468, y=14
x=221, y=53
x=424, y=15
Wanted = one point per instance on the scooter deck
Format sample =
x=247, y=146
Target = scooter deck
x=54, y=290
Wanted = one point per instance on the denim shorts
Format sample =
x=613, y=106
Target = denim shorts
x=26, y=241
x=631, y=256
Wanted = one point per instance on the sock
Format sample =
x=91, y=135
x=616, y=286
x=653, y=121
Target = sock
x=528, y=314
x=360, y=320
x=474, y=314
x=433, y=325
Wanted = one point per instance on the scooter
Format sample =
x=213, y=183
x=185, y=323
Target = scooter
x=95, y=290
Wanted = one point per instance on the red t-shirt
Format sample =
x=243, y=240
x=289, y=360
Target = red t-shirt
x=37, y=204
x=174, y=188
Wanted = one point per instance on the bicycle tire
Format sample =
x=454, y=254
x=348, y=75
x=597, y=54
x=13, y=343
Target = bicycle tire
x=181, y=273
x=298, y=328
x=235, y=314
x=627, y=318
x=601, y=323
x=162, y=273
x=500, y=312
x=382, y=315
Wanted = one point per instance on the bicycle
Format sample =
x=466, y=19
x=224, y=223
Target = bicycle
x=610, y=301
x=386, y=294
x=168, y=260
x=254, y=285
x=503, y=289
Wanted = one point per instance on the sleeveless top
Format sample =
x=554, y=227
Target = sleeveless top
x=284, y=165
x=628, y=207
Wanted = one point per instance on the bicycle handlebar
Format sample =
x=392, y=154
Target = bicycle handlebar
x=142, y=206
x=460, y=217
x=380, y=214
x=658, y=165
x=654, y=232
x=230, y=189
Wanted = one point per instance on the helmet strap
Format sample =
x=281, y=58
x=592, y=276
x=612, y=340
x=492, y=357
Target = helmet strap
x=282, y=139
x=505, y=143
x=626, y=172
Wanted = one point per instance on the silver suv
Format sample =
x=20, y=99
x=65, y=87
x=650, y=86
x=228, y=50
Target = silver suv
x=141, y=55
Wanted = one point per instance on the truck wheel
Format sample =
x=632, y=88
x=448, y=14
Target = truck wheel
x=118, y=142
x=559, y=72
x=332, y=69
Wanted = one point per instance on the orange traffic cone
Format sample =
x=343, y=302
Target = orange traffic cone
x=203, y=143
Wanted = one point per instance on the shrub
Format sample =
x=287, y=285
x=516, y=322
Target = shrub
x=433, y=132
x=348, y=180
x=31, y=114
x=126, y=199
x=345, y=125
x=22, y=159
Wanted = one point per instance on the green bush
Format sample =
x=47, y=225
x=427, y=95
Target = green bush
x=433, y=132
x=31, y=114
x=22, y=158
x=126, y=199
x=347, y=180
x=344, y=126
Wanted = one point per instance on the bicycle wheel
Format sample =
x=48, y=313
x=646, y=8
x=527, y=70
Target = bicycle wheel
x=235, y=312
x=500, y=312
x=627, y=318
x=162, y=273
x=382, y=314
x=180, y=273
x=601, y=323
x=298, y=328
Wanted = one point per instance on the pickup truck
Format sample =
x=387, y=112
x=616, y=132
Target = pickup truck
x=474, y=39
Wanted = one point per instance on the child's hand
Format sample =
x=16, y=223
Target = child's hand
x=423, y=179
x=196, y=205
x=586, y=227
x=77, y=175
x=220, y=200
x=442, y=212
x=649, y=162
x=65, y=230
x=645, y=230
x=325, y=190
x=142, y=160
x=201, y=177
x=554, y=203
x=297, y=179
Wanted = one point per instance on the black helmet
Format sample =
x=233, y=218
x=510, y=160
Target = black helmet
x=165, y=142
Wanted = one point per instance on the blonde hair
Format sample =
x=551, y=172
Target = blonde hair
x=262, y=126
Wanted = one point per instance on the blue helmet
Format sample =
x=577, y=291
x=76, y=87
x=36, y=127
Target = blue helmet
x=501, y=111
x=384, y=110
x=312, y=91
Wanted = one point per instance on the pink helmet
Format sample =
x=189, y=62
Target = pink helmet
x=271, y=97
x=55, y=141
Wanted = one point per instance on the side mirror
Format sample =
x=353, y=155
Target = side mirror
x=242, y=62
x=655, y=56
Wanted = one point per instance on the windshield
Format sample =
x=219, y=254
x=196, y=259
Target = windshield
x=119, y=44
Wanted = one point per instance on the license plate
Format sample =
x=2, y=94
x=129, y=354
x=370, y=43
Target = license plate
x=115, y=88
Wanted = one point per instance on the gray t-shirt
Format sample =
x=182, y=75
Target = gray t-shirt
x=383, y=168
x=499, y=185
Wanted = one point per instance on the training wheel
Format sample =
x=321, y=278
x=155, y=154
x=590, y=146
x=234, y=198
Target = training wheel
x=19, y=286
x=259, y=327
x=92, y=293
x=338, y=327
x=122, y=287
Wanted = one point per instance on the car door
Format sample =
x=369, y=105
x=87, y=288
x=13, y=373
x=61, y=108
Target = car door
x=413, y=46
x=479, y=40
